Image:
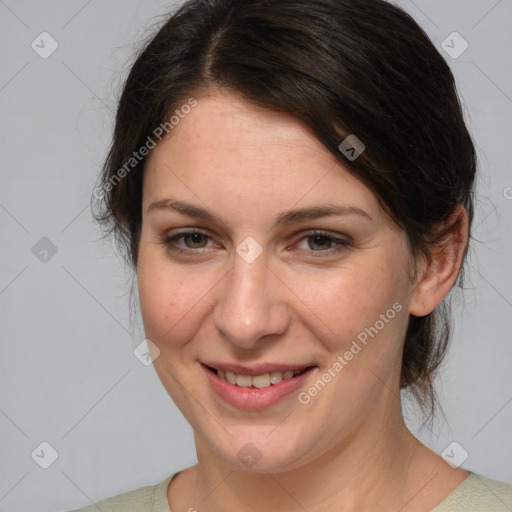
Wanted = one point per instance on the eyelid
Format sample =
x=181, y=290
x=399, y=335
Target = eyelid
x=168, y=239
x=340, y=243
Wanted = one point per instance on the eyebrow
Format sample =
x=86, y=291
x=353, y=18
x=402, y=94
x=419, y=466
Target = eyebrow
x=285, y=218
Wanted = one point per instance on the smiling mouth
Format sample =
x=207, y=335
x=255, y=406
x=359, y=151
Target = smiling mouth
x=262, y=381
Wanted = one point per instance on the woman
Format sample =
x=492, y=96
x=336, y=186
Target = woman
x=292, y=182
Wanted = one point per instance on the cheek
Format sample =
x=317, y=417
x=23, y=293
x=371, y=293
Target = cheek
x=171, y=299
x=351, y=298
x=363, y=306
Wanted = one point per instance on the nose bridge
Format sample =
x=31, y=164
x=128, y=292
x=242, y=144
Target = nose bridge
x=250, y=306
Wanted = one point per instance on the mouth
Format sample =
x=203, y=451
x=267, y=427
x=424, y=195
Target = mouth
x=261, y=381
x=255, y=388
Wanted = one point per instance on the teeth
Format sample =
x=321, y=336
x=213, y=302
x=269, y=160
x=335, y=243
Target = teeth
x=258, y=381
x=276, y=377
x=244, y=381
x=261, y=381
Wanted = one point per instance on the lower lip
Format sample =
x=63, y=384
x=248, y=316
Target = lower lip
x=253, y=399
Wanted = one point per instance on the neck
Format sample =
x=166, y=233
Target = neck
x=371, y=469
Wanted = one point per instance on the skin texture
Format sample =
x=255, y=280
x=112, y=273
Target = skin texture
x=348, y=447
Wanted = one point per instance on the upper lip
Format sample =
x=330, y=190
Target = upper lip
x=255, y=369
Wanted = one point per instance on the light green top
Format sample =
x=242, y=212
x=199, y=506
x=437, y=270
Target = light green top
x=475, y=494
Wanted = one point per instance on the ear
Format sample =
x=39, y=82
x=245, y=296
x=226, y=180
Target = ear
x=440, y=270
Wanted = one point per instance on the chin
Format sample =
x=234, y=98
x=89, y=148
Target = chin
x=260, y=453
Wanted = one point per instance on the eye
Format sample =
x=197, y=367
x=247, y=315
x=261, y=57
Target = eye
x=186, y=241
x=320, y=243
x=316, y=243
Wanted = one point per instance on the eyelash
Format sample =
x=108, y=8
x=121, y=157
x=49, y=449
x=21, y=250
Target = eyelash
x=169, y=240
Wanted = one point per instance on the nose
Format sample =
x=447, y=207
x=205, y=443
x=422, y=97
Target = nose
x=251, y=305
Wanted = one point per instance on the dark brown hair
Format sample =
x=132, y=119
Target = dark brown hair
x=342, y=67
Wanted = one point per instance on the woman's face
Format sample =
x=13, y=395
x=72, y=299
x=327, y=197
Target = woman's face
x=277, y=260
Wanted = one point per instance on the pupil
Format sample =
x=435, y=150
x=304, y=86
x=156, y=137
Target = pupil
x=320, y=240
x=195, y=239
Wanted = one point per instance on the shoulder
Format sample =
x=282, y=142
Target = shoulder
x=150, y=498
x=478, y=494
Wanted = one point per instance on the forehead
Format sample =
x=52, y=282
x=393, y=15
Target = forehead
x=228, y=146
x=224, y=123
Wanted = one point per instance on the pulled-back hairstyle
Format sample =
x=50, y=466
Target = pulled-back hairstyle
x=342, y=67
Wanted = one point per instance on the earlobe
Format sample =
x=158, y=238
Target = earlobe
x=441, y=269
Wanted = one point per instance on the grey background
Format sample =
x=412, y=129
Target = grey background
x=68, y=373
